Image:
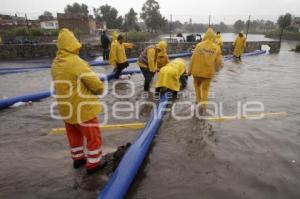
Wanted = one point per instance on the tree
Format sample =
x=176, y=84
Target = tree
x=152, y=16
x=109, y=15
x=77, y=9
x=284, y=21
x=46, y=16
x=239, y=25
x=177, y=25
x=131, y=20
x=222, y=27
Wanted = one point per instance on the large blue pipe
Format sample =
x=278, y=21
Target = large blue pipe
x=97, y=63
x=119, y=183
x=12, y=70
x=4, y=103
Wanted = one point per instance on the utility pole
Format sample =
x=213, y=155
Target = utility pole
x=209, y=21
x=248, y=25
x=125, y=27
x=27, y=24
x=280, y=37
x=170, y=27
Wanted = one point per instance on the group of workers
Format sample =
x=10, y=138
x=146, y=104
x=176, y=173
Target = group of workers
x=77, y=86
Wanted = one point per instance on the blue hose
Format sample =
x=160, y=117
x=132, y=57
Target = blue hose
x=122, y=178
x=4, y=103
x=93, y=63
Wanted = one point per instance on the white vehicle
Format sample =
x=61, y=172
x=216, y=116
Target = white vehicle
x=174, y=39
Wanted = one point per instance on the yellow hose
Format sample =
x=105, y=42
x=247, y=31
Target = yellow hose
x=57, y=131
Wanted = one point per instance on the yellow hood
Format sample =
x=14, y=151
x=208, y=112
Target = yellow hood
x=66, y=41
x=210, y=35
x=115, y=35
x=162, y=45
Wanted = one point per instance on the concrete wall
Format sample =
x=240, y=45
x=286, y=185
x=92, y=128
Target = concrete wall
x=29, y=51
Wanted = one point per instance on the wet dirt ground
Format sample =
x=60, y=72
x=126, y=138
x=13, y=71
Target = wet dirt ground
x=188, y=159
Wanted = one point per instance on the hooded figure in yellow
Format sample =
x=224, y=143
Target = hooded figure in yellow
x=169, y=75
x=117, y=54
x=150, y=58
x=76, y=89
x=162, y=59
x=205, y=61
x=112, y=55
x=219, y=40
x=239, y=45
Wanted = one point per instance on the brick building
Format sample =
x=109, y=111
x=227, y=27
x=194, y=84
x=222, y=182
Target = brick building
x=76, y=23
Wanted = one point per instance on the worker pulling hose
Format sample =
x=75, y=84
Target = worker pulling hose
x=120, y=181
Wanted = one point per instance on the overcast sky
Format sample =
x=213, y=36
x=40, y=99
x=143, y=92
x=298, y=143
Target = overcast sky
x=221, y=10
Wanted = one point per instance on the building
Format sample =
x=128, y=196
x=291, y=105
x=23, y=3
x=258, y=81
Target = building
x=101, y=26
x=296, y=23
x=49, y=25
x=77, y=23
x=8, y=20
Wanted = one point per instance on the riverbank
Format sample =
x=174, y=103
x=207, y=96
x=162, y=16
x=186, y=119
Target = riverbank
x=287, y=35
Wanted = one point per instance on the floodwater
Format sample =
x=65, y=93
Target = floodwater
x=189, y=158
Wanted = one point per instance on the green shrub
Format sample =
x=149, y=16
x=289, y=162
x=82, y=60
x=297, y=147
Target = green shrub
x=298, y=48
x=36, y=32
x=288, y=35
x=139, y=36
x=21, y=32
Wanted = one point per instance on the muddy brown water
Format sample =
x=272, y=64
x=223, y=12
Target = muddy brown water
x=188, y=158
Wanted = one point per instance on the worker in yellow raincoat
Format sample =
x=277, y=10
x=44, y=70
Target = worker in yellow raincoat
x=162, y=59
x=169, y=77
x=76, y=89
x=148, y=61
x=239, y=45
x=205, y=61
x=117, y=55
x=219, y=40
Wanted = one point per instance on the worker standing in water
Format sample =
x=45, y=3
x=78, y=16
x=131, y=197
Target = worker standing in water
x=239, y=46
x=148, y=61
x=205, y=61
x=117, y=55
x=169, y=77
x=219, y=40
x=76, y=89
x=105, y=45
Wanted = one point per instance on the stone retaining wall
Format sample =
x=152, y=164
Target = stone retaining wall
x=30, y=51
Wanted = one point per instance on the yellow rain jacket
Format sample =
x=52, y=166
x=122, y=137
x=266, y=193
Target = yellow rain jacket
x=219, y=40
x=162, y=59
x=76, y=85
x=150, y=58
x=206, y=57
x=169, y=75
x=117, y=54
x=239, y=46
